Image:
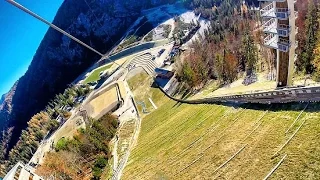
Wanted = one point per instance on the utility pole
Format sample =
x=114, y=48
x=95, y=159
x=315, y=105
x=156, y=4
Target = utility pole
x=53, y=26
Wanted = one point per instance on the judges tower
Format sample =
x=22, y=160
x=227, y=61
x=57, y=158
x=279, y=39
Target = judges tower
x=280, y=31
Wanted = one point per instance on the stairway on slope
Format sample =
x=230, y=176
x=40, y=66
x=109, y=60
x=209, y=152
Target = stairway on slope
x=145, y=61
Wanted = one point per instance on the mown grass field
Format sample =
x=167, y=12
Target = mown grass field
x=94, y=76
x=103, y=101
x=140, y=85
x=180, y=141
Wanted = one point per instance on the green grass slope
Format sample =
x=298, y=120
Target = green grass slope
x=180, y=141
x=94, y=76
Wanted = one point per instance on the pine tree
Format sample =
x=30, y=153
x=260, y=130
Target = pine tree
x=316, y=55
x=312, y=25
x=249, y=51
x=219, y=61
x=2, y=149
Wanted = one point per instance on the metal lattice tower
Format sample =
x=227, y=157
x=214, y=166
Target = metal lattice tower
x=280, y=30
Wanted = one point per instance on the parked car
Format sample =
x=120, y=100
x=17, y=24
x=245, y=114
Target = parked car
x=160, y=52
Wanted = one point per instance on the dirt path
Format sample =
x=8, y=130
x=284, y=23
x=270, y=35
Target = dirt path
x=133, y=142
x=115, y=153
x=120, y=164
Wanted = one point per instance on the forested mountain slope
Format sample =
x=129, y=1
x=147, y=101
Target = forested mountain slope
x=59, y=60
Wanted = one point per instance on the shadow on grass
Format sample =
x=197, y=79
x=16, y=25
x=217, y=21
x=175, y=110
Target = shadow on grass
x=275, y=107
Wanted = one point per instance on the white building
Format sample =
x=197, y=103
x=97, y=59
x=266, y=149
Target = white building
x=21, y=172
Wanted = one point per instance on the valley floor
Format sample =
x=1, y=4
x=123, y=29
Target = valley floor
x=180, y=141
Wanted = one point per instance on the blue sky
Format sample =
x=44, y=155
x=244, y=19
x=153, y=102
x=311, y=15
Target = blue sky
x=20, y=36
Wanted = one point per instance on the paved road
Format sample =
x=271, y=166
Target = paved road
x=305, y=94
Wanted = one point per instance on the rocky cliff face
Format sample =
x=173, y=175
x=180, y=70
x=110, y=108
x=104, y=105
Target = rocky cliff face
x=2, y=99
x=59, y=60
x=6, y=107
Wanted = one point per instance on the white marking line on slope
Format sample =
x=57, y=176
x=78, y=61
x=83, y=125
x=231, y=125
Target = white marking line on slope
x=154, y=106
x=290, y=138
x=275, y=168
x=233, y=156
x=210, y=129
x=297, y=118
x=261, y=117
x=252, y=131
x=191, y=163
x=189, y=146
x=257, y=122
x=223, y=132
